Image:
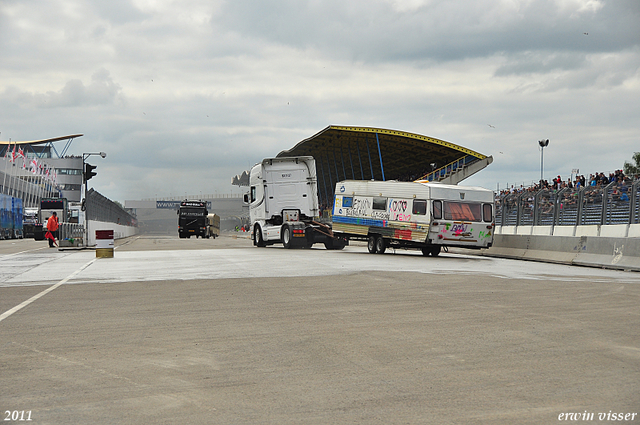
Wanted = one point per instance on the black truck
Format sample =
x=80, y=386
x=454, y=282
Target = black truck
x=192, y=219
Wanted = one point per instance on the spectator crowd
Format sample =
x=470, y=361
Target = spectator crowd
x=596, y=180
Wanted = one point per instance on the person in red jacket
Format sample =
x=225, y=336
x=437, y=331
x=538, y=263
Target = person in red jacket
x=52, y=227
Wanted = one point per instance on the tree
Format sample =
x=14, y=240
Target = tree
x=632, y=169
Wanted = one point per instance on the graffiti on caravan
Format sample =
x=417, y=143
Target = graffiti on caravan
x=174, y=205
x=398, y=210
x=359, y=208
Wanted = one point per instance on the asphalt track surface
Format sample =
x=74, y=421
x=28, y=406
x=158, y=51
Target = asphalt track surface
x=220, y=332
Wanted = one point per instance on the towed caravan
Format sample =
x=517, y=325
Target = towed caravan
x=426, y=216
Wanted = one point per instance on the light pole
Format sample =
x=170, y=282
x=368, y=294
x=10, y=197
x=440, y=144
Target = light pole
x=543, y=144
x=86, y=175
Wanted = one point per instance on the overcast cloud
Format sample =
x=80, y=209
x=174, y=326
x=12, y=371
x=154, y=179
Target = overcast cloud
x=183, y=95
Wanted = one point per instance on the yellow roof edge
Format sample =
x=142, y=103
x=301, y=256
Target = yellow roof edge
x=408, y=135
x=35, y=142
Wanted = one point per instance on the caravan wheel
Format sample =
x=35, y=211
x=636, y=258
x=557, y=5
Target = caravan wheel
x=381, y=245
x=371, y=244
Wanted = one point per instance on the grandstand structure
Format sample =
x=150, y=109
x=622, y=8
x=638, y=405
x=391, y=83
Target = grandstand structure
x=35, y=169
x=368, y=153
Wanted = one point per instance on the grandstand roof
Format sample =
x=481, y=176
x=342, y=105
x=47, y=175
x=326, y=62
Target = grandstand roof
x=39, y=142
x=29, y=145
x=359, y=153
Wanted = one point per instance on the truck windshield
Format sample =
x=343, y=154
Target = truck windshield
x=462, y=211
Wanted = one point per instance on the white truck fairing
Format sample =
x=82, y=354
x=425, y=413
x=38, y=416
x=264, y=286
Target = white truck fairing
x=283, y=183
x=283, y=204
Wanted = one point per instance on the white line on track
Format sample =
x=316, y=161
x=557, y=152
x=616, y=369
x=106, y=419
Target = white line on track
x=2, y=257
x=43, y=293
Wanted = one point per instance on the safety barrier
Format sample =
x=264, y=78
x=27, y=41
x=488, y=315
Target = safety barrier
x=70, y=234
x=616, y=203
x=594, y=251
x=119, y=231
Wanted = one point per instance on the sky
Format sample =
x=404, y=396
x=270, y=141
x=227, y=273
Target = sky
x=183, y=95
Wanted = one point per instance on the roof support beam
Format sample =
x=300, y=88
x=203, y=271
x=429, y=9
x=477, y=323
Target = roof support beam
x=370, y=164
x=360, y=160
x=324, y=181
x=380, y=155
x=329, y=172
x=344, y=170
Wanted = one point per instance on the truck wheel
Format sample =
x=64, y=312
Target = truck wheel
x=286, y=236
x=257, y=235
x=371, y=244
x=426, y=251
x=381, y=245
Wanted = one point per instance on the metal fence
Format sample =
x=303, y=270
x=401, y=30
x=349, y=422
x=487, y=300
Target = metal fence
x=71, y=231
x=616, y=203
x=100, y=208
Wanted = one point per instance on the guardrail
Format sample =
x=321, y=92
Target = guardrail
x=68, y=231
x=448, y=169
x=616, y=203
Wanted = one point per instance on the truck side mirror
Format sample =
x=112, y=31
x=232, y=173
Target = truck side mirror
x=245, y=198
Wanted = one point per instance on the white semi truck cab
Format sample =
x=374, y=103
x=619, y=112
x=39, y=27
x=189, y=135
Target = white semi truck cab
x=283, y=204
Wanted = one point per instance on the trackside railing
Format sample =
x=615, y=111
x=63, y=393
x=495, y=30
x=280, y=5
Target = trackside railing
x=615, y=203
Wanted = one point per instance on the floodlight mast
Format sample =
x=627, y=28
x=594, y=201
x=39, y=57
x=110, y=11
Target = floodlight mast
x=543, y=144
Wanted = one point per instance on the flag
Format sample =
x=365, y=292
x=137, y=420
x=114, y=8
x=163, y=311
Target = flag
x=12, y=158
x=49, y=235
x=24, y=159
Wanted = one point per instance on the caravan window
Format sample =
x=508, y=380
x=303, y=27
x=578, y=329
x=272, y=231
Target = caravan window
x=466, y=211
x=487, y=211
x=347, y=201
x=419, y=207
x=380, y=204
x=437, y=209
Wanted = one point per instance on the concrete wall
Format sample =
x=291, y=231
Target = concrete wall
x=610, y=231
x=119, y=231
x=595, y=246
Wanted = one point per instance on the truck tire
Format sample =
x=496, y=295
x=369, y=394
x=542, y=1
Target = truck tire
x=371, y=244
x=432, y=250
x=381, y=245
x=257, y=237
x=286, y=236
